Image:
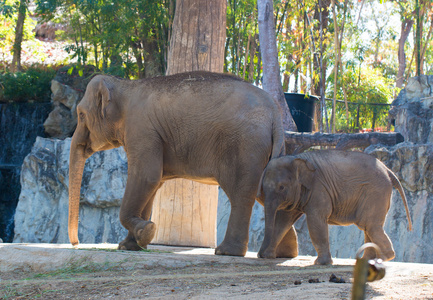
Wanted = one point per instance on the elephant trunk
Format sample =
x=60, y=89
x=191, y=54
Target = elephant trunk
x=77, y=160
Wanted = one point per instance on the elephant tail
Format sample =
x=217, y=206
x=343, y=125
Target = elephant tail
x=278, y=147
x=278, y=141
x=396, y=184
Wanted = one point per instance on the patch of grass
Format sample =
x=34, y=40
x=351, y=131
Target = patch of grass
x=99, y=249
x=155, y=251
x=81, y=266
x=14, y=291
x=116, y=250
x=9, y=291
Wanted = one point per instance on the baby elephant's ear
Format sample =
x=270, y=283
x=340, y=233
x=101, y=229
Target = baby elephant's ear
x=305, y=171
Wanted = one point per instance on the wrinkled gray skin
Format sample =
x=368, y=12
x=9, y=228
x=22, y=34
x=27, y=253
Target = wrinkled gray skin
x=211, y=128
x=329, y=187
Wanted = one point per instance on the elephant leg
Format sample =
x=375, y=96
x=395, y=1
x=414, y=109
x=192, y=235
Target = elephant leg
x=144, y=179
x=288, y=245
x=378, y=236
x=240, y=183
x=130, y=243
x=318, y=229
x=284, y=240
x=236, y=239
x=369, y=253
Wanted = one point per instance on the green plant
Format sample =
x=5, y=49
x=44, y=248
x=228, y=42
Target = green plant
x=80, y=266
x=9, y=292
x=32, y=84
x=127, y=38
x=366, y=88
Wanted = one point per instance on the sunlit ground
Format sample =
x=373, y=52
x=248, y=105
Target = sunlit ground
x=36, y=52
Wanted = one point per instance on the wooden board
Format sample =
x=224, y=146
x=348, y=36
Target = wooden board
x=185, y=214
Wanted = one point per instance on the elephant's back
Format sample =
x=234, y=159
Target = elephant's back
x=207, y=90
x=337, y=167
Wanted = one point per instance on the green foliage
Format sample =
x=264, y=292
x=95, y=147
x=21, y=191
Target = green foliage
x=7, y=8
x=81, y=266
x=241, y=47
x=126, y=37
x=365, y=88
x=32, y=84
x=8, y=19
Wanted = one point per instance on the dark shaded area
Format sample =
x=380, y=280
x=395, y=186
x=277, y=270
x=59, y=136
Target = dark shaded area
x=302, y=107
x=20, y=124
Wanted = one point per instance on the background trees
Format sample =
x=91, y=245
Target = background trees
x=125, y=37
x=391, y=39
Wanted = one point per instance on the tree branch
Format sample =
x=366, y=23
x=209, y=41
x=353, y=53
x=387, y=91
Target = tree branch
x=299, y=142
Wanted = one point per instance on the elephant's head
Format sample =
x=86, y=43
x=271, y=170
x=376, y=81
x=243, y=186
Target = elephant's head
x=99, y=128
x=285, y=184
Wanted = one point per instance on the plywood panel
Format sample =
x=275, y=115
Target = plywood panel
x=185, y=214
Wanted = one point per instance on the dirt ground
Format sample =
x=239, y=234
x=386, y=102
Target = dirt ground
x=29, y=271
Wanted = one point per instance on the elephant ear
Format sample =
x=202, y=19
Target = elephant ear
x=105, y=97
x=305, y=171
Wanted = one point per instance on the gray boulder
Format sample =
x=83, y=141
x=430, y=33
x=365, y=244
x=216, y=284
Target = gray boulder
x=42, y=212
x=412, y=110
x=61, y=122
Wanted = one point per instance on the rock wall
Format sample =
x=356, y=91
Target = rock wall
x=412, y=110
x=62, y=120
x=42, y=212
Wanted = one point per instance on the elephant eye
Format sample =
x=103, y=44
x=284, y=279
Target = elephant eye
x=281, y=188
x=82, y=115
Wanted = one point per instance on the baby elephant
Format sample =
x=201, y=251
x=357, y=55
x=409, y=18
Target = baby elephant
x=329, y=187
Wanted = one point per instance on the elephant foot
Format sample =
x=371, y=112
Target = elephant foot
x=144, y=232
x=267, y=253
x=227, y=249
x=323, y=260
x=385, y=256
x=129, y=244
x=286, y=252
x=288, y=246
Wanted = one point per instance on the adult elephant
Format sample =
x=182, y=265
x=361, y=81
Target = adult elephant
x=208, y=127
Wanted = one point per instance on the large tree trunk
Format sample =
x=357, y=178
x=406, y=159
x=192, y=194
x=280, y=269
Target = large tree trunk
x=406, y=27
x=198, y=38
x=19, y=32
x=271, y=67
x=185, y=212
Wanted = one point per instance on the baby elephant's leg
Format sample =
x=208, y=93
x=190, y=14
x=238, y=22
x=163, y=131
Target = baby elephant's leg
x=288, y=245
x=378, y=236
x=318, y=228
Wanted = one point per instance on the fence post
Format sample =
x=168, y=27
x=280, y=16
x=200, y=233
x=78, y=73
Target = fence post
x=374, y=118
x=357, y=117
